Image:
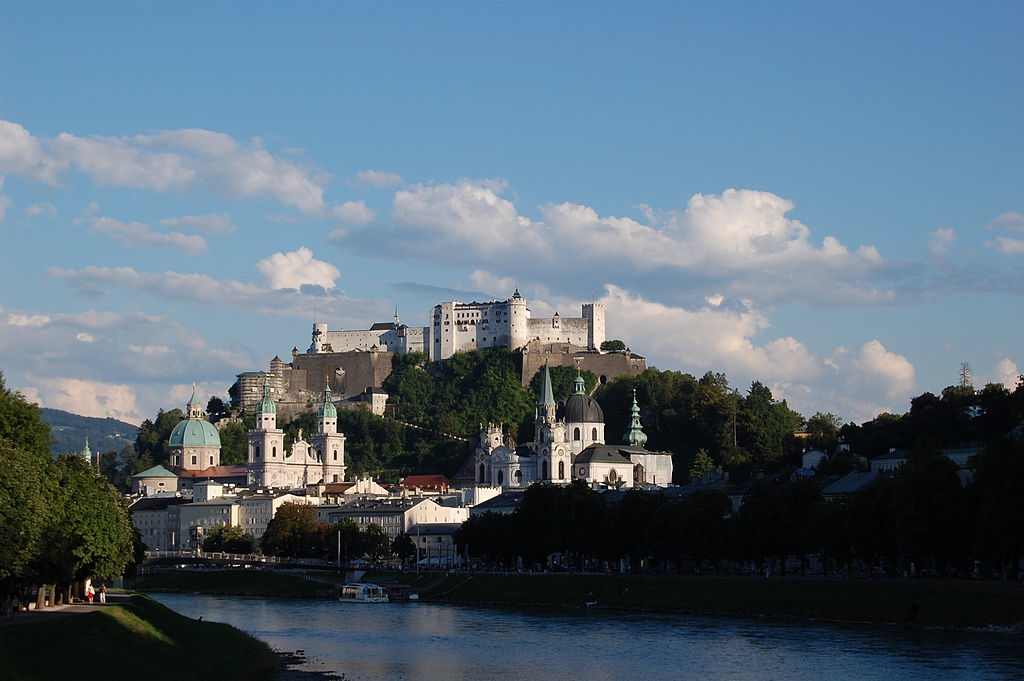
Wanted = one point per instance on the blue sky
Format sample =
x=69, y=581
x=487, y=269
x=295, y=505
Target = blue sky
x=828, y=199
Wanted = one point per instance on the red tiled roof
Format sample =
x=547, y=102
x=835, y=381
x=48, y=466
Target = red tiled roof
x=215, y=472
x=338, y=487
x=425, y=482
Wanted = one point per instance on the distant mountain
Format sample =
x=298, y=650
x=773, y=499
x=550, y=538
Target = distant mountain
x=70, y=430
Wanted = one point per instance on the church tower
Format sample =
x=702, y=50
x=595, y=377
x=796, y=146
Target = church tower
x=635, y=436
x=266, y=446
x=327, y=442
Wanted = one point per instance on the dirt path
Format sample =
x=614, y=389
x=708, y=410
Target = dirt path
x=58, y=611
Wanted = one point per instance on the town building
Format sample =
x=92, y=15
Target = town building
x=155, y=480
x=569, y=444
x=157, y=521
x=424, y=484
x=393, y=515
x=339, y=492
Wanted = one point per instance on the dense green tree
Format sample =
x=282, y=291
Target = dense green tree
x=234, y=444
x=27, y=492
x=823, y=431
x=702, y=467
x=229, y=539
x=151, y=442
x=216, y=409
x=21, y=425
x=403, y=547
x=613, y=345
x=293, y=532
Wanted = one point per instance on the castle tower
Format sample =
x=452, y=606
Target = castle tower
x=594, y=314
x=635, y=436
x=328, y=443
x=518, y=321
x=266, y=461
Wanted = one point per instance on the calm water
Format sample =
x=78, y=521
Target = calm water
x=422, y=642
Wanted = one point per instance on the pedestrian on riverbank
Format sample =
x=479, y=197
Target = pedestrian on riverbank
x=103, y=594
x=90, y=593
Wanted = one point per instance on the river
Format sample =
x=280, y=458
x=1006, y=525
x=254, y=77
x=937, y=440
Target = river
x=426, y=642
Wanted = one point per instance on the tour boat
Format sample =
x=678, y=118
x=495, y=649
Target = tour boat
x=362, y=592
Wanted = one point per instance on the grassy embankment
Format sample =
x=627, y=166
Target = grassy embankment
x=939, y=603
x=135, y=639
x=237, y=583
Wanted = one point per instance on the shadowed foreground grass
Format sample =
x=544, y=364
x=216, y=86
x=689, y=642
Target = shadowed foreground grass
x=136, y=639
x=939, y=603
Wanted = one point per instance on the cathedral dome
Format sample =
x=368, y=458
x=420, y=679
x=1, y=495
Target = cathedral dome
x=194, y=433
x=582, y=409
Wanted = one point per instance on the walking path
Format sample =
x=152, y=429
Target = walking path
x=59, y=611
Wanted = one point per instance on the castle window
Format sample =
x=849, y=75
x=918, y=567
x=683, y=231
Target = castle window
x=561, y=470
x=576, y=434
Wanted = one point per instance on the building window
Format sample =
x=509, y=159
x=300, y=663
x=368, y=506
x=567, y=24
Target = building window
x=593, y=434
x=273, y=452
x=561, y=470
x=193, y=459
x=582, y=471
x=501, y=477
x=335, y=454
x=518, y=475
x=482, y=478
x=576, y=434
x=257, y=450
x=211, y=460
x=544, y=470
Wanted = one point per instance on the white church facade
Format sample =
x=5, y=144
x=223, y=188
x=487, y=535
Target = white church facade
x=569, y=444
x=321, y=459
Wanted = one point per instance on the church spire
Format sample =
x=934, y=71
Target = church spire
x=193, y=409
x=546, y=402
x=581, y=385
x=635, y=436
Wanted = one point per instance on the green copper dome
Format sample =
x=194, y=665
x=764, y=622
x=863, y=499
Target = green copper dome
x=194, y=433
x=267, y=406
x=327, y=408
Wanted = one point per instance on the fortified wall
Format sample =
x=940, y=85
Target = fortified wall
x=605, y=365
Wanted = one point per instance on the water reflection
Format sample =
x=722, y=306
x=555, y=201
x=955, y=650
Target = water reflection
x=423, y=642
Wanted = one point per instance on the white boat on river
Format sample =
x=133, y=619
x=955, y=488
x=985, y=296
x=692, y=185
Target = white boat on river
x=363, y=592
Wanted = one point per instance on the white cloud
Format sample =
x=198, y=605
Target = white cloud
x=88, y=398
x=296, y=268
x=1008, y=373
x=1007, y=245
x=892, y=372
x=141, y=234
x=740, y=244
x=354, y=213
x=1011, y=220
x=164, y=161
x=941, y=240
x=41, y=209
x=83, y=337
x=35, y=320
x=214, y=223
x=500, y=287
x=378, y=178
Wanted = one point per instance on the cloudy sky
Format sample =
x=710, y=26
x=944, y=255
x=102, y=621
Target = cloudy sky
x=829, y=201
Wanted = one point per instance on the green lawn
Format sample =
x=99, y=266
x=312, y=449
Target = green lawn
x=136, y=639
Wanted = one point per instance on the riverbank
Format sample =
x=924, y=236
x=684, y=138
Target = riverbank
x=136, y=638
x=238, y=583
x=953, y=604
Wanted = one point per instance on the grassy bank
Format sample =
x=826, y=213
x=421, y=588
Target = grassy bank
x=136, y=639
x=940, y=603
x=234, y=583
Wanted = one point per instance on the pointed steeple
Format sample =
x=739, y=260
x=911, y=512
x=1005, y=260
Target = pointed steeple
x=87, y=452
x=547, y=395
x=327, y=408
x=193, y=409
x=267, y=405
x=635, y=436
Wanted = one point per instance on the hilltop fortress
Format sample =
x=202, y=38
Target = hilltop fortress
x=355, y=363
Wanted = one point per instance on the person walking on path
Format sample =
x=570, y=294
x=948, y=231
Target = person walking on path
x=90, y=593
x=103, y=595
